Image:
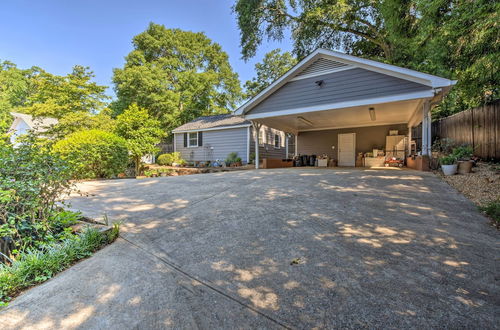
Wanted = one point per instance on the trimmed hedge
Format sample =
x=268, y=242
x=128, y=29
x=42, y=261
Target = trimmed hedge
x=94, y=153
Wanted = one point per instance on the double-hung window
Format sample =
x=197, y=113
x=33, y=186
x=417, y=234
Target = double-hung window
x=277, y=141
x=193, y=139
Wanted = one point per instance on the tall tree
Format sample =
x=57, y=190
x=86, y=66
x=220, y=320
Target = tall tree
x=14, y=90
x=140, y=130
x=273, y=65
x=177, y=75
x=353, y=25
x=56, y=96
x=461, y=38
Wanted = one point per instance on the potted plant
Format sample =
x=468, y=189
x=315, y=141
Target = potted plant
x=448, y=164
x=464, y=156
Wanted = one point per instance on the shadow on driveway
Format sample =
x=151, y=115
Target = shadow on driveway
x=277, y=248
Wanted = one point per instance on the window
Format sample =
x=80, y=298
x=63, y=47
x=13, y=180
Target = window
x=277, y=141
x=193, y=139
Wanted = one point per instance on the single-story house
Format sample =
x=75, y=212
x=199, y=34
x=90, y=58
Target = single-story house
x=23, y=123
x=213, y=138
x=345, y=107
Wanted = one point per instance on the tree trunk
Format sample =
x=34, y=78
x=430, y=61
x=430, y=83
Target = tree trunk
x=137, y=161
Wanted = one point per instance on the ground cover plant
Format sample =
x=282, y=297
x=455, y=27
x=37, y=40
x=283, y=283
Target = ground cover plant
x=34, y=266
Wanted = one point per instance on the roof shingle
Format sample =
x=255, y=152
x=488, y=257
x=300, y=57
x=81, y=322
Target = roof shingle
x=217, y=121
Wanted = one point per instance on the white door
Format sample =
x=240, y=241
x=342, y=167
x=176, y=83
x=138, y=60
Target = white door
x=347, y=149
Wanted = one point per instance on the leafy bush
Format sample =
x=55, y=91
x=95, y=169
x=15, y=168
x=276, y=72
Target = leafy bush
x=232, y=158
x=463, y=152
x=169, y=159
x=448, y=160
x=32, y=182
x=94, y=153
x=141, y=132
x=492, y=210
x=36, y=266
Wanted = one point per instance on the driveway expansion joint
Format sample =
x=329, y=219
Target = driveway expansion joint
x=208, y=285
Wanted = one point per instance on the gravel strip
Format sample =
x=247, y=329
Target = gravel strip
x=481, y=186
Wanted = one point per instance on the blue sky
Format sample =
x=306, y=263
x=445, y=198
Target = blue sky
x=56, y=35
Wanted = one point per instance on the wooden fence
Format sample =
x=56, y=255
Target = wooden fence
x=478, y=127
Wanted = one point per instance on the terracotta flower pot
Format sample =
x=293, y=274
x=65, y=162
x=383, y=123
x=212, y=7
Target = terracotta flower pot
x=465, y=166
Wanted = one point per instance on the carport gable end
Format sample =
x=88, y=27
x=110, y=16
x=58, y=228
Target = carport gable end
x=327, y=80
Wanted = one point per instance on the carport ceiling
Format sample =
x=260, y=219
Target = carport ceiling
x=385, y=114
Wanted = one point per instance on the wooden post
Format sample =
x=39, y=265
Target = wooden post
x=256, y=127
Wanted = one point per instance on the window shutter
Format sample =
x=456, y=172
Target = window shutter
x=185, y=140
x=200, y=139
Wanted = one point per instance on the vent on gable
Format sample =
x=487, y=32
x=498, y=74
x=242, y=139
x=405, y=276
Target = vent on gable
x=320, y=66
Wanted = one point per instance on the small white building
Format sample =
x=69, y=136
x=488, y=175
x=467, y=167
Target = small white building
x=23, y=123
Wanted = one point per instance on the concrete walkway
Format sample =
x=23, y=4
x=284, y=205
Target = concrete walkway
x=297, y=248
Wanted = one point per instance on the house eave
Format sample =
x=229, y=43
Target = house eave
x=209, y=129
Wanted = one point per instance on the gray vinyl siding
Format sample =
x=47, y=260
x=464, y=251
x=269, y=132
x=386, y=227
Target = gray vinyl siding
x=321, y=65
x=223, y=142
x=347, y=85
x=367, y=138
x=267, y=149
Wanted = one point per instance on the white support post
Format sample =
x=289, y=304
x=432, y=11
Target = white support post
x=426, y=129
x=409, y=139
x=286, y=145
x=249, y=139
x=256, y=127
x=296, y=143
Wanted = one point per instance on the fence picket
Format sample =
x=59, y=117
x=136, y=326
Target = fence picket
x=479, y=127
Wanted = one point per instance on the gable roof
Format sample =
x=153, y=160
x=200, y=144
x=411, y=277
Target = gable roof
x=40, y=124
x=213, y=122
x=323, y=61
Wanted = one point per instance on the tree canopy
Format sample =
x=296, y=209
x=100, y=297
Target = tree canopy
x=56, y=96
x=458, y=39
x=273, y=65
x=141, y=132
x=177, y=76
x=74, y=99
x=14, y=90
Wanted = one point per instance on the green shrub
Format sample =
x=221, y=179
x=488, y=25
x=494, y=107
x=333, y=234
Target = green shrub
x=94, y=153
x=492, y=210
x=36, y=266
x=169, y=159
x=448, y=160
x=32, y=183
x=463, y=152
x=232, y=158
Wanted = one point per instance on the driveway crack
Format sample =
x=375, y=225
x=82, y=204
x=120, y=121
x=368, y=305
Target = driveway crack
x=208, y=285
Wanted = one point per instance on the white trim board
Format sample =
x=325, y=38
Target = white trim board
x=344, y=104
x=350, y=126
x=210, y=129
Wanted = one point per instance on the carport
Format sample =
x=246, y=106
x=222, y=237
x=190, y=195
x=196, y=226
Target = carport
x=341, y=105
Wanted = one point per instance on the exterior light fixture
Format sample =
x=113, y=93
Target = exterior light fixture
x=319, y=82
x=305, y=121
x=372, y=113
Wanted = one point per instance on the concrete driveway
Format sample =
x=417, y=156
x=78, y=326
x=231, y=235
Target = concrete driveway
x=297, y=248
